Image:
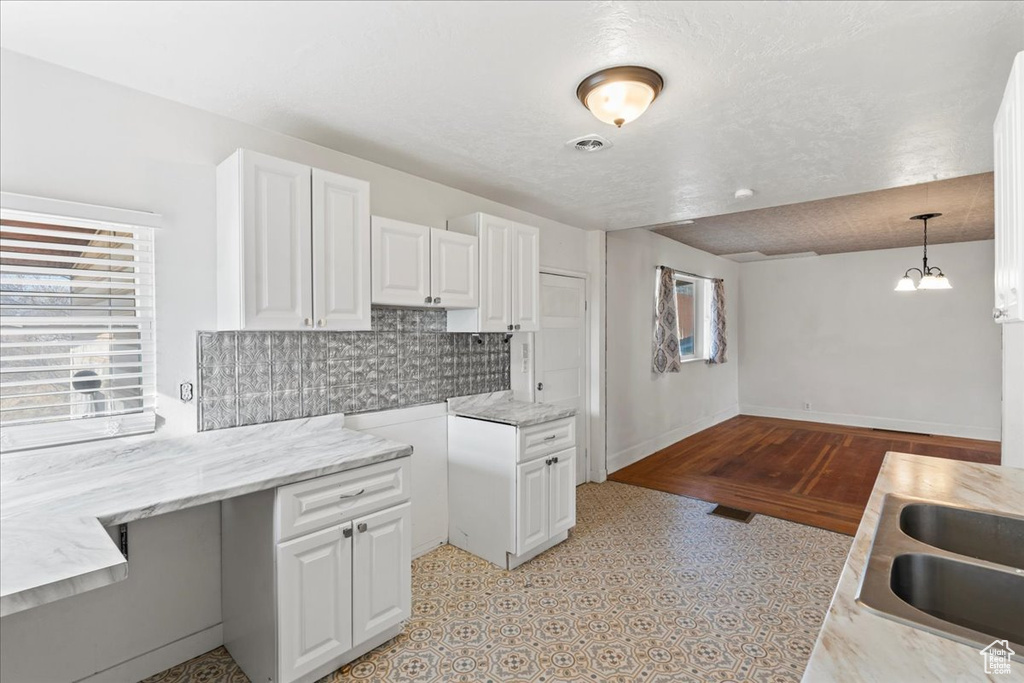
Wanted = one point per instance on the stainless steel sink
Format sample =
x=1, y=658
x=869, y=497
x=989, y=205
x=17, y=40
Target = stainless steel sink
x=969, y=595
x=954, y=572
x=980, y=535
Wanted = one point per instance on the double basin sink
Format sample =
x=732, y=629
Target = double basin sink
x=955, y=572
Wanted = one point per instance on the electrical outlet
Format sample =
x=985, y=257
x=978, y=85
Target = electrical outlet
x=807, y=405
x=526, y=358
x=185, y=392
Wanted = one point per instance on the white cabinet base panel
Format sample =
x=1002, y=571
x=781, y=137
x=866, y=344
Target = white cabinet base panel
x=513, y=561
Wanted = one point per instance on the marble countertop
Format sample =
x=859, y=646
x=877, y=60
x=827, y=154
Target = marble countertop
x=501, y=407
x=856, y=644
x=55, y=505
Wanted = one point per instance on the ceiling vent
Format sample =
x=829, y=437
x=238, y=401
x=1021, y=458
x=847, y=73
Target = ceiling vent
x=589, y=143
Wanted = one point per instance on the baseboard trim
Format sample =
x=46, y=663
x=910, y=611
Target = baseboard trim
x=160, y=659
x=647, y=447
x=870, y=421
x=424, y=548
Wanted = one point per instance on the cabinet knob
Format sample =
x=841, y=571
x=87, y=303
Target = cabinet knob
x=308, y=322
x=361, y=527
x=320, y=322
x=427, y=300
x=998, y=313
x=548, y=462
x=347, y=532
x=437, y=299
x=554, y=460
x=540, y=386
x=511, y=327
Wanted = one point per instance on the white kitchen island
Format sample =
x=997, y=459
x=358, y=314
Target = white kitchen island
x=511, y=476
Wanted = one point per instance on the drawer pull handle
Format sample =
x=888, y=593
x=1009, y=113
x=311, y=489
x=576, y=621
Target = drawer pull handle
x=352, y=495
x=361, y=527
x=551, y=438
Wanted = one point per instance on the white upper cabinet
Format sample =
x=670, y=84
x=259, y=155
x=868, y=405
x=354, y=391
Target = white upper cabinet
x=1008, y=136
x=341, y=251
x=292, y=246
x=401, y=263
x=509, y=276
x=415, y=265
x=454, y=269
x=526, y=279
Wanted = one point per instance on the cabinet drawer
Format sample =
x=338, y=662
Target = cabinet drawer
x=318, y=503
x=549, y=437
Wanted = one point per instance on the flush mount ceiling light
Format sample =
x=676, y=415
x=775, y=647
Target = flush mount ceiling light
x=620, y=94
x=932, y=277
x=744, y=193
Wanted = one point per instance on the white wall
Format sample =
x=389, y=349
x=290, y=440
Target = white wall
x=647, y=412
x=70, y=136
x=831, y=331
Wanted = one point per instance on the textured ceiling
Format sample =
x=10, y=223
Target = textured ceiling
x=858, y=222
x=798, y=100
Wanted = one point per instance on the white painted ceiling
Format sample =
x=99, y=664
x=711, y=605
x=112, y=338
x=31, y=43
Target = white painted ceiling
x=798, y=100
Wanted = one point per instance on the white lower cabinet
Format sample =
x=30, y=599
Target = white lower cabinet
x=314, y=600
x=531, y=505
x=316, y=573
x=562, y=493
x=511, y=490
x=381, y=572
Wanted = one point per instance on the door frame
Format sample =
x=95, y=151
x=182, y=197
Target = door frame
x=587, y=445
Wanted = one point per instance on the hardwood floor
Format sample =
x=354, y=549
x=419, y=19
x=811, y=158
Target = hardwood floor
x=806, y=472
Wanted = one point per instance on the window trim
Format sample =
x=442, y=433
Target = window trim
x=701, y=317
x=20, y=437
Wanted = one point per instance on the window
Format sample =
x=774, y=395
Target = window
x=76, y=329
x=693, y=308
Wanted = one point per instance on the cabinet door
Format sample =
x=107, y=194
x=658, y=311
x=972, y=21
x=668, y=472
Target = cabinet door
x=454, y=269
x=314, y=601
x=531, y=505
x=562, y=491
x=401, y=263
x=382, y=572
x=341, y=252
x=495, y=274
x=1008, y=138
x=526, y=279
x=277, y=243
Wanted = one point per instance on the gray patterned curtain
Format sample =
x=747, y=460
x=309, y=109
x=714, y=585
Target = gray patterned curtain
x=666, y=324
x=717, y=354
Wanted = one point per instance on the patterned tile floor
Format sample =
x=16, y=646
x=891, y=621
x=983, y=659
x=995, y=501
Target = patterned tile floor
x=649, y=588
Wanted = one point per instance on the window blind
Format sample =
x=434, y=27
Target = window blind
x=77, y=355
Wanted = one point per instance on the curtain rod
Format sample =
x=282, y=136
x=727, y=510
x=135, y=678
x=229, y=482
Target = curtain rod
x=683, y=272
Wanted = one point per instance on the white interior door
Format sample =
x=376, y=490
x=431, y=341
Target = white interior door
x=341, y=252
x=561, y=353
x=401, y=263
x=381, y=572
x=454, y=269
x=314, y=600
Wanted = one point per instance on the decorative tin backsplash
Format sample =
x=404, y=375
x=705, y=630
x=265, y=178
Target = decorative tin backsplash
x=408, y=359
